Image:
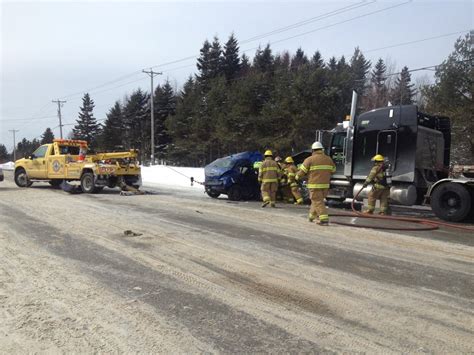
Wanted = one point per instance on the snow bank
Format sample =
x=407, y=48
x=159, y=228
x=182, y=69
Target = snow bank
x=8, y=166
x=172, y=175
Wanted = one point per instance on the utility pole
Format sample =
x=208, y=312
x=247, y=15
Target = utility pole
x=14, y=142
x=152, y=73
x=59, y=102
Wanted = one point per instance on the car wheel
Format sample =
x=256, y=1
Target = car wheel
x=212, y=194
x=87, y=183
x=235, y=193
x=451, y=202
x=21, y=178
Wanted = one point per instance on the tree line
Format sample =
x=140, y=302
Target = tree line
x=275, y=100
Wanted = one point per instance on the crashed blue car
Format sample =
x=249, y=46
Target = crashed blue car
x=233, y=176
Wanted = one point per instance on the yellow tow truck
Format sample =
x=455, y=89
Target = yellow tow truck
x=67, y=160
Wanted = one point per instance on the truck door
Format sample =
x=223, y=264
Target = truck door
x=387, y=145
x=336, y=152
x=38, y=168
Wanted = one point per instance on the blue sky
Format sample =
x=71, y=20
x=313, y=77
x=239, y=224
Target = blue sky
x=61, y=49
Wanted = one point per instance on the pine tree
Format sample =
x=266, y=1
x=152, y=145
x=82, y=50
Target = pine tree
x=299, y=59
x=231, y=61
x=244, y=65
x=136, y=118
x=317, y=60
x=263, y=60
x=4, y=156
x=165, y=107
x=47, y=137
x=332, y=64
x=360, y=68
x=112, y=133
x=87, y=127
x=378, y=96
x=203, y=62
x=403, y=91
x=452, y=95
x=215, y=59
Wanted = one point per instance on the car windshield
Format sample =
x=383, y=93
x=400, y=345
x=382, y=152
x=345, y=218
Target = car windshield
x=223, y=163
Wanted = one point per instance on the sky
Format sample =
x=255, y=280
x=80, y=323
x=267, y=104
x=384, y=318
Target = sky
x=61, y=49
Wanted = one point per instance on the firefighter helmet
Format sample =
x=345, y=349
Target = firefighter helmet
x=317, y=145
x=268, y=153
x=378, y=158
x=278, y=158
x=289, y=160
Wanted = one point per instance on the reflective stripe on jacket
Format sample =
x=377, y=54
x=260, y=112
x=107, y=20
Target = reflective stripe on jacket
x=319, y=168
x=269, y=171
x=291, y=171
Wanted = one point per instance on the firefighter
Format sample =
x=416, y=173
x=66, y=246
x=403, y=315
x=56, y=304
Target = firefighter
x=380, y=188
x=319, y=168
x=268, y=176
x=290, y=171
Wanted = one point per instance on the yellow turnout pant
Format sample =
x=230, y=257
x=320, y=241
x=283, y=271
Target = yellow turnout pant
x=269, y=190
x=318, y=208
x=378, y=194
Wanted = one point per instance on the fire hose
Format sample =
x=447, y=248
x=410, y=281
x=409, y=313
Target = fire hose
x=427, y=224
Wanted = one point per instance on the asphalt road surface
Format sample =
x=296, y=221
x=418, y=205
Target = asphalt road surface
x=180, y=272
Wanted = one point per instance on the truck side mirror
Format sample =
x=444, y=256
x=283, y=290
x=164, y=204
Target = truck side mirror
x=31, y=157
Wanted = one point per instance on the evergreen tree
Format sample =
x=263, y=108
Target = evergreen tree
x=136, y=118
x=317, y=60
x=299, y=59
x=452, y=95
x=378, y=93
x=87, y=127
x=360, y=68
x=332, y=64
x=25, y=147
x=47, y=137
x=403, y=91
x=231, y=61
x=215, y=59
x=112, y=133
x=263, y=60
x=165, y=107
x=203, y=62
x=4, y=156
x=244, y=65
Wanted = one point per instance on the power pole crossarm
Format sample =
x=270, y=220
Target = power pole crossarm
x=152, y=73
x=59, y=102
x=14, y=142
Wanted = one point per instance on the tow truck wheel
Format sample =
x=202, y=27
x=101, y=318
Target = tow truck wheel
x=451, y=202
x=21, y=178
x=87, y=183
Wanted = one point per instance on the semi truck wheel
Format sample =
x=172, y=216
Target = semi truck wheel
x=451, y=202
x=87, y=183
x=21, y=178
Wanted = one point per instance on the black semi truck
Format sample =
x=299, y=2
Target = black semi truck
x=417, y=147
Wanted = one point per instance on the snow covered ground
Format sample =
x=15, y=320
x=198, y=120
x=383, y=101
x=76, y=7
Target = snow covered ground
x=160, y=174
x=8, y=166
x=172, y=175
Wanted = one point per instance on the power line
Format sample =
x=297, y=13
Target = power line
x=286, y=28
x=279, y=30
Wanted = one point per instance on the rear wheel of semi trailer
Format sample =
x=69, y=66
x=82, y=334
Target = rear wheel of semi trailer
x=451, y=201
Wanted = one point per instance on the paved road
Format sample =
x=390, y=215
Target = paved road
x=193, y=274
